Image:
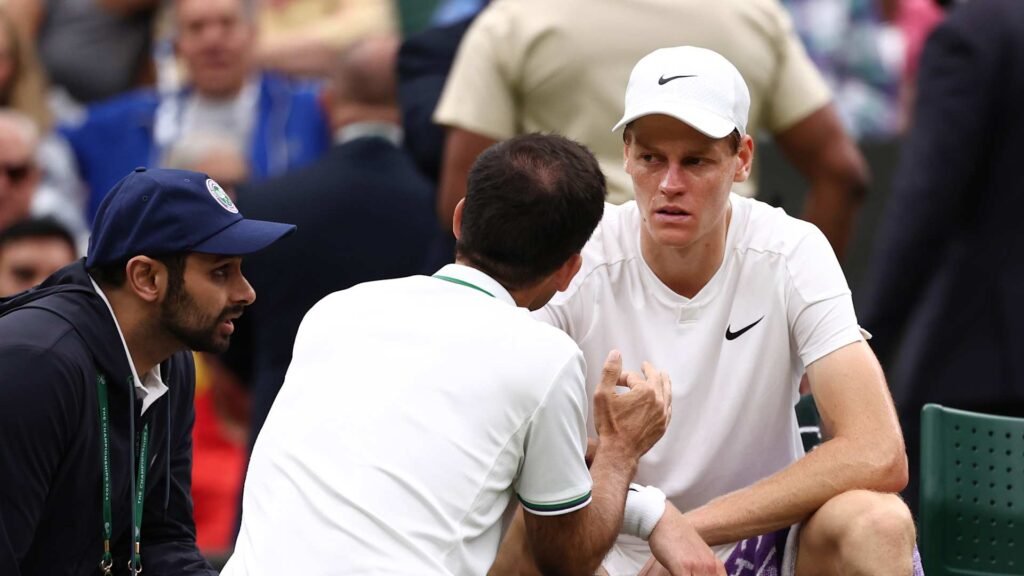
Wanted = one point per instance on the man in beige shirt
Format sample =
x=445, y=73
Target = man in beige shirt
x=532, y=65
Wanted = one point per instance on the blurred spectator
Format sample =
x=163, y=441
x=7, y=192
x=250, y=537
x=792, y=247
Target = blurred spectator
x=22, y=89
x=533, y=65
x=451, y=11
x=22, y=86
x=36, y=177
x=217, y=155
x=947, y=287
x=424, y=61
x=916, y=19
x=92, y=49
x=31, y=250
x=861, y=57
x=363, y=213
x=280, y=125
x=304, y=37
x=19, y=173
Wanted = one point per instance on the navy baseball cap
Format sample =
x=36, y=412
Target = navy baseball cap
x=157, y=212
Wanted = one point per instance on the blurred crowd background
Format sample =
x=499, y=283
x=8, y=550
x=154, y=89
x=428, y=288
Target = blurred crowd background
x=358, y=121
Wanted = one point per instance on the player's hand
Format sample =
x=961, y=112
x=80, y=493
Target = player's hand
x=633, y=420
x=678, y=549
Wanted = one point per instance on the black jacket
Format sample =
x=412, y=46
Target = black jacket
x=948, y=272
x=54, y=340
x=424, y=61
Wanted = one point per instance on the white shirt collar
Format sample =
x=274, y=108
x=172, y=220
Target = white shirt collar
x=391, y=132
x=478, y=279
x=151, y=387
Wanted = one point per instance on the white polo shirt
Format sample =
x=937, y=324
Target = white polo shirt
x=735, y=352
x=412, y=410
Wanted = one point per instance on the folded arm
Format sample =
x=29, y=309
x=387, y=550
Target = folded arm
x=865, y=452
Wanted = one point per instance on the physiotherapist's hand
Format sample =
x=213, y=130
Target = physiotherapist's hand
x=591, y=451
x=633, y=421
x=678, y=549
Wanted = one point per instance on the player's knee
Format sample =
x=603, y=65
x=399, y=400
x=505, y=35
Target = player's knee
x=875, y=522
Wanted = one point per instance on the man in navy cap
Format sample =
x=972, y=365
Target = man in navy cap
x=96, y=384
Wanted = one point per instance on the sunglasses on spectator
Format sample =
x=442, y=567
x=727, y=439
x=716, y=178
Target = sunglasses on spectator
x=16, y=172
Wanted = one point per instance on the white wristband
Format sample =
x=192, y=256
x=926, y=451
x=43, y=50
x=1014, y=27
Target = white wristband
x=644, y=507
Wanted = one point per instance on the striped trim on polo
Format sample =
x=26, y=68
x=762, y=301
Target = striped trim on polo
x=556, y=508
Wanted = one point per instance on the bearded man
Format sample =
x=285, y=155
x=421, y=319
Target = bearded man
x=97, y=385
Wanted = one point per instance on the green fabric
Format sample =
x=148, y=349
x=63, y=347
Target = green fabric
x=415, y=14
x=107, y=561
x=809, y=421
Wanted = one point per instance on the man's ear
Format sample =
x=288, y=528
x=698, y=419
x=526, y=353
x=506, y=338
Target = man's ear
x=146, y=278
x=457, y=219
x=746, y=156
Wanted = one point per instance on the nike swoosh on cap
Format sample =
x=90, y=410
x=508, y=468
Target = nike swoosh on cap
x=662, y=81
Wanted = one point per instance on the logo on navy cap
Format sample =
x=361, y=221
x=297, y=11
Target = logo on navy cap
x=221, y=196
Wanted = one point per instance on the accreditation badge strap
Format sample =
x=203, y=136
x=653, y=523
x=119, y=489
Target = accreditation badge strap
x=107, y=562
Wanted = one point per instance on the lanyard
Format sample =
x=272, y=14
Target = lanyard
x=107, y=563
x=462, y=283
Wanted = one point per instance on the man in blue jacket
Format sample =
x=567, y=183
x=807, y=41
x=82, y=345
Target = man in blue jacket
x=96, y=384
x=279, y=124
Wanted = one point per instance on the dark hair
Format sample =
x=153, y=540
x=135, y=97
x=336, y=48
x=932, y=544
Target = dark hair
x=531, y=203
x=37, y=228
x=734, y=137
x=114, y=275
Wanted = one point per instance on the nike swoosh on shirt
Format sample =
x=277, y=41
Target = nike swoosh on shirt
x=730, y=335
x=662, y=81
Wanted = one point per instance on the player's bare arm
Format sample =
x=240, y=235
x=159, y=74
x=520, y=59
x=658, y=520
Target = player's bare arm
x=865, y=452
x=677, y=545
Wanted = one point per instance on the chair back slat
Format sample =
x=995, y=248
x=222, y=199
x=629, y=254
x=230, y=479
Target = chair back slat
x=972, y=493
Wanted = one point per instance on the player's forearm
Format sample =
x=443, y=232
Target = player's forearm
x=796, y=492
x=579, y=547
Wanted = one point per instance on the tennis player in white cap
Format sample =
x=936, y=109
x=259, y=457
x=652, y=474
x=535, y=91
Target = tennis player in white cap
x=735, y=300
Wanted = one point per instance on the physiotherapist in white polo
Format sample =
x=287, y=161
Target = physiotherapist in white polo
x=415, y=409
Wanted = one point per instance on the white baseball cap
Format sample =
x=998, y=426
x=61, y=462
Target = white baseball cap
x=694, y=85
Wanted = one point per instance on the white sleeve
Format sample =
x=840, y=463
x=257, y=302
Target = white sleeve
x=553, y=478
x=820, y=306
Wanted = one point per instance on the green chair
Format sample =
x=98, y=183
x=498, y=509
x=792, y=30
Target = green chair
x=810, y=422
x=972, y=493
